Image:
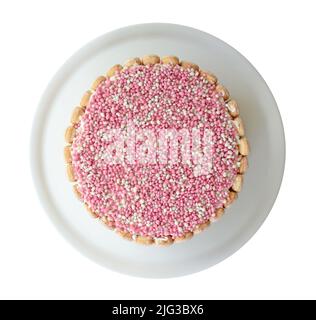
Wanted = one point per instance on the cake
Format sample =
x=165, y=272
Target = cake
x=156, y=150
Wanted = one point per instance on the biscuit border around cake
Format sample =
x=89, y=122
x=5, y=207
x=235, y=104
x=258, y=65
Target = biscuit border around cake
x=232, y=108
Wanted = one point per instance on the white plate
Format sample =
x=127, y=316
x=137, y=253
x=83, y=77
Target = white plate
x=263, y=126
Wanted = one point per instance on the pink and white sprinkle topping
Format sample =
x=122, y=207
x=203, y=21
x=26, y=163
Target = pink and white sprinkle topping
x=150, y=197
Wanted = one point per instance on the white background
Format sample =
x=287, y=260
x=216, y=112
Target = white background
x=278, y=37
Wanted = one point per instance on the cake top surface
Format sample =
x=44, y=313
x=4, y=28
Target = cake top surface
x=156, y=151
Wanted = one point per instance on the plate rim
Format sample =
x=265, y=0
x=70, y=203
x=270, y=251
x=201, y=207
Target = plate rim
x=36, y=165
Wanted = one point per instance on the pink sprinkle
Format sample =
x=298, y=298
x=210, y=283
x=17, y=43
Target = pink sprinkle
x=154, y=199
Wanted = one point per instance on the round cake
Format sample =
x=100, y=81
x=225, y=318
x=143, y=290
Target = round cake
x=156, y=150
